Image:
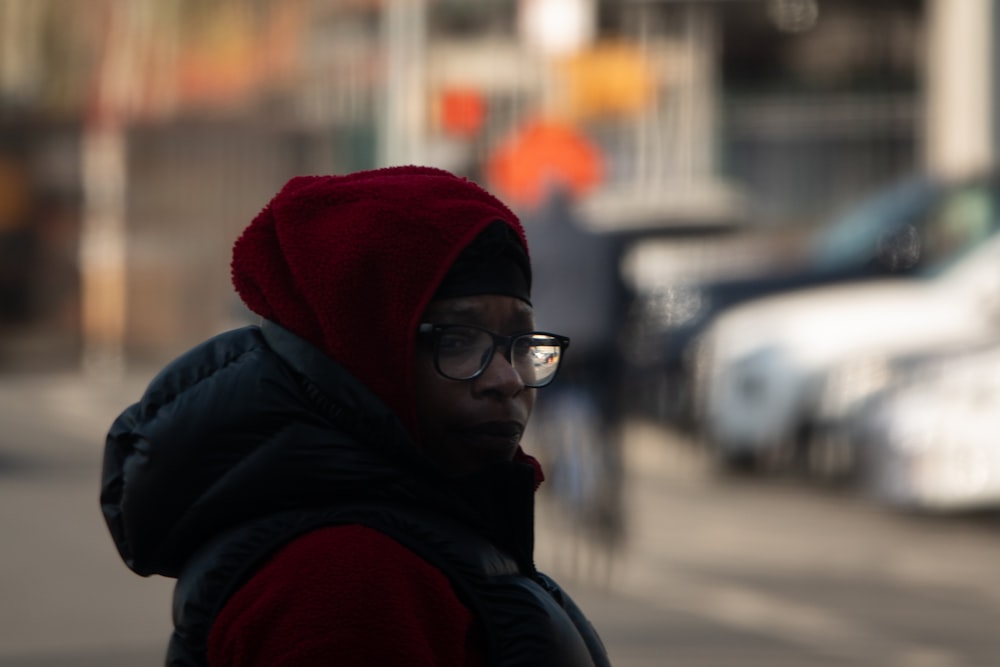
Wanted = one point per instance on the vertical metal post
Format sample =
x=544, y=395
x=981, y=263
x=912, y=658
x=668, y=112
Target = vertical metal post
x=994, y=81
x=960, y=101
x=102, y=249
x=404, y=36
x=103, y=270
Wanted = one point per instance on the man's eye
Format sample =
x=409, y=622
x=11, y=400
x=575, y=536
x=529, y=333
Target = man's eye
x=457, y=341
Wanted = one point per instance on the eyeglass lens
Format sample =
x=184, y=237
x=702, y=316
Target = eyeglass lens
x=464, y=352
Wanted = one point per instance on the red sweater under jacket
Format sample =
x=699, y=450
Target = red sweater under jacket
x=379, y=605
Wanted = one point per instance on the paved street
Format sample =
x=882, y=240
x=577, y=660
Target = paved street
x=715, y=573
x=747, y=572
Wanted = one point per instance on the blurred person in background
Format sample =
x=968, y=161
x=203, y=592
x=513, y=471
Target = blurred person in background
x=344, y=483
x=578, y=286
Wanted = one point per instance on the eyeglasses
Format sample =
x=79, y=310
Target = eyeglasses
x=463, y=352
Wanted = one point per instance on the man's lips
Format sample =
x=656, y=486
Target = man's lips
x=496, y=431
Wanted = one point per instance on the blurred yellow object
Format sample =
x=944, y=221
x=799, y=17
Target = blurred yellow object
x=607, y=80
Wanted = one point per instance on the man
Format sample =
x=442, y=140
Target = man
x=344, y=484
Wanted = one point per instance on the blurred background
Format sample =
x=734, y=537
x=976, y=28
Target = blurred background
x=769, y=227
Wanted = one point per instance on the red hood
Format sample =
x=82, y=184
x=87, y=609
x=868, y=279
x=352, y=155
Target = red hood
x=350, y=262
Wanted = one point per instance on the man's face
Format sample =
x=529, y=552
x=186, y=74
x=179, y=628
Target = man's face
x=465, y=425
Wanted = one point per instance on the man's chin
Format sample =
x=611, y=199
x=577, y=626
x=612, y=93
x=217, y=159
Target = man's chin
x=476, y=453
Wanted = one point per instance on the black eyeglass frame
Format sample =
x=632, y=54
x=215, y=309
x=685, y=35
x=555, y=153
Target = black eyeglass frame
x=507, y=342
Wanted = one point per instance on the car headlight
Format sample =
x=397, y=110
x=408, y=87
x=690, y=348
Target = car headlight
x=850, y=384
x=758, y=374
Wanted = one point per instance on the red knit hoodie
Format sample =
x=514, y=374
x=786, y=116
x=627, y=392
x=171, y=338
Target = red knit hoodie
x=350, y=263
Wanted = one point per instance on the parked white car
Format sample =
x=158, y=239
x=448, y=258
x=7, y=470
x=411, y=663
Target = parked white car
x=852, y=391
x=762, y=366
x=931, y=441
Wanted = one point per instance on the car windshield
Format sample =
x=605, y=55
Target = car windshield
x=853, y=238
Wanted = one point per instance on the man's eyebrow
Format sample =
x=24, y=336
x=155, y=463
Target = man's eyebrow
x=459, y=310
x=476, y=311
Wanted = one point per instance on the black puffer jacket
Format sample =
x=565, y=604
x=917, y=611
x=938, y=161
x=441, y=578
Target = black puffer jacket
x=257, y=423
x=250, y=422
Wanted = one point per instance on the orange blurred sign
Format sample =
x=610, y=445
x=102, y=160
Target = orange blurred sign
x=609, y=79
x=542, y=155
x=463, y=111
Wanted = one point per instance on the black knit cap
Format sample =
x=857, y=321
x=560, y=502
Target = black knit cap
x=494, y=262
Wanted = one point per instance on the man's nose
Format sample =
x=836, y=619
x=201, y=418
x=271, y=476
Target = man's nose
x=501, y=375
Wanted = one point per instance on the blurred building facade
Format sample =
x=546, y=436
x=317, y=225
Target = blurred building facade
x=137, y=137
